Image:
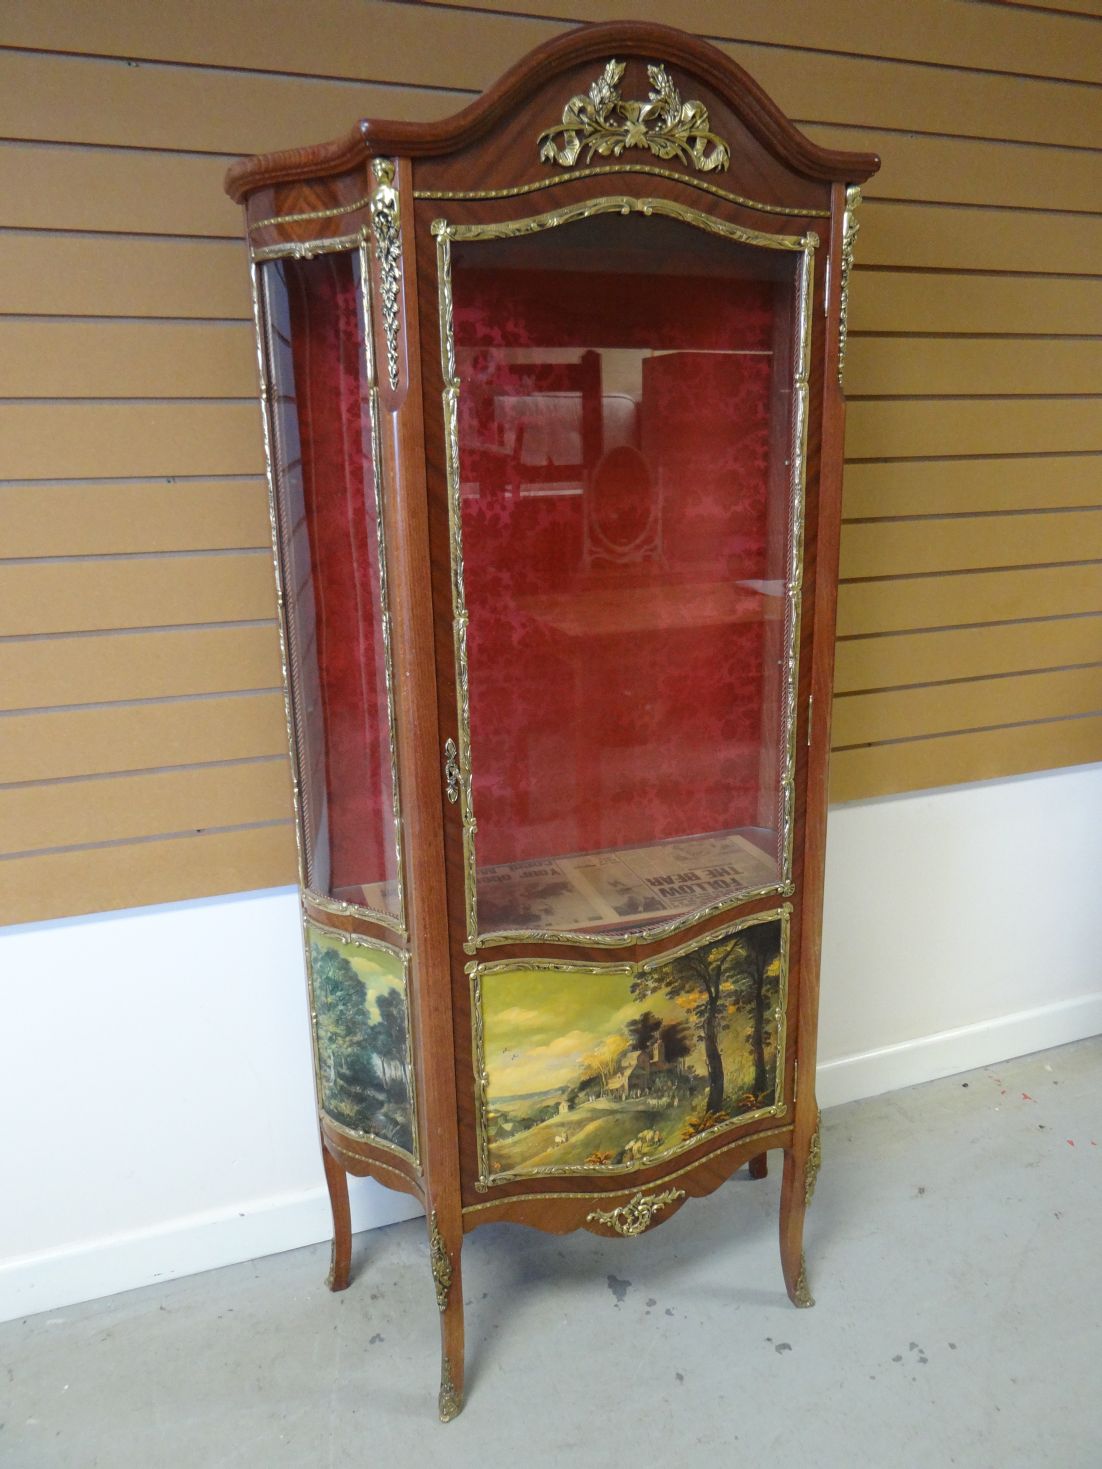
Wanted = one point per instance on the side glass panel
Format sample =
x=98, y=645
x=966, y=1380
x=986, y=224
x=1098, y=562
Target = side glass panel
x=626, y=496
x=333, y=577
x=360, y=1002
x=612, y=1067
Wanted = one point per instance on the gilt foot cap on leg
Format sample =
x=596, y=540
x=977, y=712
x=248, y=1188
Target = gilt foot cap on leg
x=801, y=1295
x=451, y=1402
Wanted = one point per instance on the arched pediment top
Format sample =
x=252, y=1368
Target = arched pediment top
x=664, y=119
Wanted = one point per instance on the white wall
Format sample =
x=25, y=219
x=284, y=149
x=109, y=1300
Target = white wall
x=961, y=926
x=154, y=1065
x=157, y=1101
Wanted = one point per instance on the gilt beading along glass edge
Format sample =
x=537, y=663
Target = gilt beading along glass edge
x=359, y=244
x=403, y=957
x=445, y=232
x=308, y=249
x=477, y=970
x=653, y=171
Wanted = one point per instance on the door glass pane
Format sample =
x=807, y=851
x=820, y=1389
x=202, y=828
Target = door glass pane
x=625, y=494
x=324, y=472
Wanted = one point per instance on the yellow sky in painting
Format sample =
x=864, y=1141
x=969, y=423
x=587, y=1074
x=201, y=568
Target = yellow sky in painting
x=537, y=1025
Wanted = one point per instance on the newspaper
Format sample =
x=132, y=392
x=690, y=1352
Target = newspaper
x=628, y=888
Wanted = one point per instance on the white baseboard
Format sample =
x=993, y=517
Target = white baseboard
x=184, y=1246
x=869, y=1073
x=57, y=1278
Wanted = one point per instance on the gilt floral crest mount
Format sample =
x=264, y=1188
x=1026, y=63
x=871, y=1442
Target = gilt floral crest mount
x=603, y=123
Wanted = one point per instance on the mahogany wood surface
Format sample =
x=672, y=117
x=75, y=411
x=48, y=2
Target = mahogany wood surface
x=492, y=146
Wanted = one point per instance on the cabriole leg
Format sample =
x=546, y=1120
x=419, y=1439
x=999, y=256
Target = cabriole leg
x=793, y=1210
x=444, y=1251
x=759, y=1166
x=340, y=1261
x=801, y=1170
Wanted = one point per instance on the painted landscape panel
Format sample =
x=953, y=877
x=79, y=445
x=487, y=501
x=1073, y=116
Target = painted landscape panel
x=613, y=1070
x=361, y=1022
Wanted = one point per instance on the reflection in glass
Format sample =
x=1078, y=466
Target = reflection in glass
x=324, y=473
x=625, y=431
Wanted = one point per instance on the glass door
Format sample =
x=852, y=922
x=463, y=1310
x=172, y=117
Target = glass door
x=625, y=395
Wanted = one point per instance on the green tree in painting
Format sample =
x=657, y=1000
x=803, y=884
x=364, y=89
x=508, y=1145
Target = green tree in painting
x=340, y=1003
x=710, y=980
x=676, y=1044
x=643, y=1030
x=756, y=950
x=389, y=1042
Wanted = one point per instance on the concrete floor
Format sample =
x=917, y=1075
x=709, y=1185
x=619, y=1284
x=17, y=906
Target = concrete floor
x=953, y=1247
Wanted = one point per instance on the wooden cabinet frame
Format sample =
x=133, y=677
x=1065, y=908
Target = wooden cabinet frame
x=559, y=138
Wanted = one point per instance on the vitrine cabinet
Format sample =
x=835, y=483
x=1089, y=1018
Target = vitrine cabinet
x=553, y=416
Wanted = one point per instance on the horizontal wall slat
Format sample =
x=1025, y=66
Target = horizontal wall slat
x=953, y=601
x=42, y=671
x=90, y=100
x=903, y=366
x=911, y=428
x=156, y=591
x=961, y=237
x=82, y=275
x=954, y=487
x=964, y=171
x=963, y=543
x=861, y=719
x=130, y=440
x=134, y=874
x=75, y=99
x=951, y=759
x=101, y=517
x=120, y=737
x=965, y=652
x=988, y=38
x=122, y=359
x=914, y=301
x=125, y=807
x=122, y=190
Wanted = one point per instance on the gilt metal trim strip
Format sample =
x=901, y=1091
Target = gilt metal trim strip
x=308, y=249
x=814, y=1162
x=440, y=1263
x=619, y=168
x=334, y=213
x=850, y=226
x=388, y=251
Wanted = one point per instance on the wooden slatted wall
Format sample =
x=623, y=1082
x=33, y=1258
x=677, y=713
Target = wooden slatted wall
x=141, y=743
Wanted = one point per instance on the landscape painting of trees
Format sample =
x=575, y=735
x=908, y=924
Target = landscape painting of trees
x=620, y=1068
x=362, y=1030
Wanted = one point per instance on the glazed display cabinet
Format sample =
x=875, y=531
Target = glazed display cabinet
x=553, y=415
